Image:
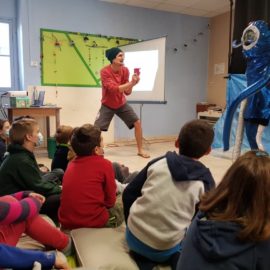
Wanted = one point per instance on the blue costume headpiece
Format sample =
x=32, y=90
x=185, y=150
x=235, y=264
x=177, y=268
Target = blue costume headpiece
x=256, y=48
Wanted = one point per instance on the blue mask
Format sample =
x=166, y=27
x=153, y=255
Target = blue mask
x=40, y=139
x=7, y=133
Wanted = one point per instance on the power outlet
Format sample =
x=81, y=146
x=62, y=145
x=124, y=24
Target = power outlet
x=34, y=64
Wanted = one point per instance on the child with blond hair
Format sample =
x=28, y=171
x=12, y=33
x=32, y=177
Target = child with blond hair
x=19, y=170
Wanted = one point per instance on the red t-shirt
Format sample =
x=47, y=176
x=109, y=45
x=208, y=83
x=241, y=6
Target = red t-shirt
x=111, y=97
x=89, y=189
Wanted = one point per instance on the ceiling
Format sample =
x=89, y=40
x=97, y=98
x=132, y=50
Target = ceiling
x=203, y=8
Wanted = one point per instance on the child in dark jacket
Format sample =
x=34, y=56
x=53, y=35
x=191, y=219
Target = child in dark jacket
x=62, y=137
x=232, y=229
x=161, y=201
x=20, y=171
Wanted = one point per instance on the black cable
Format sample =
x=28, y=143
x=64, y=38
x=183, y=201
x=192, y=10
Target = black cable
x=230, y=34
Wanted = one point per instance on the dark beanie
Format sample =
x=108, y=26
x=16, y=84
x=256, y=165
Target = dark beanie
x=112, y=53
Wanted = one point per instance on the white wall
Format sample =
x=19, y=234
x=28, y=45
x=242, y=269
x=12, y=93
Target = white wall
x=79, y=106
x=219, y=47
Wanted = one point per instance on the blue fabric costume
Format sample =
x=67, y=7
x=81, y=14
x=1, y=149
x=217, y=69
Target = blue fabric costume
x=256, y=49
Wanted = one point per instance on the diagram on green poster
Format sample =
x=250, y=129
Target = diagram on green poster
x=74, y=59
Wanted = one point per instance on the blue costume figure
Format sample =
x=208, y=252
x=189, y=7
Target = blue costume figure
x=256, y=48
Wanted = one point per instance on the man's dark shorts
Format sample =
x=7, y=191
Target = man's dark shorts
x=105, y=115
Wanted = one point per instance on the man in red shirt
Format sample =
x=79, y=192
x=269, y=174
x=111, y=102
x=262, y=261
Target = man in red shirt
x=115, y=86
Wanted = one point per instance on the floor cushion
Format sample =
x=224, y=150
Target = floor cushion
x=103, y=249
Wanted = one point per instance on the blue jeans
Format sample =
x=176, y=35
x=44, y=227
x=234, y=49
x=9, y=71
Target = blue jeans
x=152, y=254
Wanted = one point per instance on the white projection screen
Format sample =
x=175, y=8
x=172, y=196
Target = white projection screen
x=149, y=57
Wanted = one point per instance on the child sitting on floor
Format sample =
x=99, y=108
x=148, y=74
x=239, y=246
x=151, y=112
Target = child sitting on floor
x=232, y=229
x=64, y=154
x=62, y=137
x=122, y=176
x=161, y=201
x=89, y=188
x=18, y=215
x=20, y=171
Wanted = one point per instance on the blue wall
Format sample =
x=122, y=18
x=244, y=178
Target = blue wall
x=7, y=9
x=186, y=70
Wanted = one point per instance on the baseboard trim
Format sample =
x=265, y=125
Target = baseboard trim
x=146, y=140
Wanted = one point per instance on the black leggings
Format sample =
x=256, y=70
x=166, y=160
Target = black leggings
x=51, y=206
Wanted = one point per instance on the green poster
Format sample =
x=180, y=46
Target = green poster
x=74, y=59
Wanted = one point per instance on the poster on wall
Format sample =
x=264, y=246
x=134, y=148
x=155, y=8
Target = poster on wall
x=75, y=59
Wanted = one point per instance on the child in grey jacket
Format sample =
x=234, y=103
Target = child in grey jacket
x=161, y=201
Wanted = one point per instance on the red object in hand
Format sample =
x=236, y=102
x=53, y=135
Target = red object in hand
x=137, y=71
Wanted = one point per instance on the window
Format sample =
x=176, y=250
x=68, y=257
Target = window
x=6, y=59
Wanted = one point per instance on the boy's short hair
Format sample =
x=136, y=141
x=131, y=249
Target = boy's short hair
x=195, y=138
x=63, y=134
x=84, y=139
x=23, y=117
x=19, y=129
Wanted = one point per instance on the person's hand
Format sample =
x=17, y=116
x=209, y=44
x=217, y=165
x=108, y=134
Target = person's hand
x=37, y=196
x=138, y=79
x=61, y=261
x=135, y=79
x=44, y=169
x=129, y=91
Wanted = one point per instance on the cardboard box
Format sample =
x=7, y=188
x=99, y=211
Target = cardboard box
x=19, y=102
